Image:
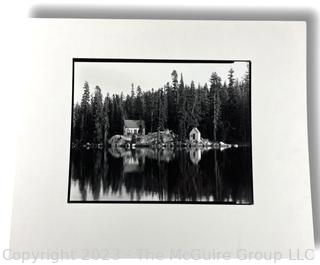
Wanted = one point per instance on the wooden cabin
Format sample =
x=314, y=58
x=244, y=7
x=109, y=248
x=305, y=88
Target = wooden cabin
x=131, y=127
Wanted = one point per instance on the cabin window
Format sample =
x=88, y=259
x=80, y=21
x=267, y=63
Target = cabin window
x=194, y=136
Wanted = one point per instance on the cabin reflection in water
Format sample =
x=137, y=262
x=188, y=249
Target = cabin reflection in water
x=133, y=163
x=172, y=175
x=195, y=156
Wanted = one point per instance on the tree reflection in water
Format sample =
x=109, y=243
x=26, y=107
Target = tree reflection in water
x=164, y=175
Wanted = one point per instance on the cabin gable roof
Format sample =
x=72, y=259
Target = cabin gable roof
x=195, y=130
x=134, y=123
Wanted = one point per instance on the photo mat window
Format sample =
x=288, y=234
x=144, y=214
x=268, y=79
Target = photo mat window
x=161, y=131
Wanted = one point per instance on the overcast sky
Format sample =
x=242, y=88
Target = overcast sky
x=114, y=78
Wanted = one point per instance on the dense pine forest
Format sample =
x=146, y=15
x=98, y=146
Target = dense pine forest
x=220, y=110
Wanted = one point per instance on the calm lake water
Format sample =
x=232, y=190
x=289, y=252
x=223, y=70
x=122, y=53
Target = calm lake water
x=165, y=175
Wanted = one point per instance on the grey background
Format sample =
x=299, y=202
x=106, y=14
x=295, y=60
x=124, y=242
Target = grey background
x=210, y=13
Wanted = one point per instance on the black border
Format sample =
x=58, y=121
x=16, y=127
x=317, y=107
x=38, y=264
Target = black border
x=123, y=60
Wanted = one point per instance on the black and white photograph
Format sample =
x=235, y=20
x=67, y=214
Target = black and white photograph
x=153, y=138
x=161, y=131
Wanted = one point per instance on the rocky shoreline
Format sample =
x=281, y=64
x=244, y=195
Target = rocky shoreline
x=156, y=140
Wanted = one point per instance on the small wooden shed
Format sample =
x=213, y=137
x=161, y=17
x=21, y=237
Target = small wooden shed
x=195, y=135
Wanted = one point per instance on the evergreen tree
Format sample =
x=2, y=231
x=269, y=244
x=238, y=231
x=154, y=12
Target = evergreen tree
x=127, y=107
x=97, y=111
x=106, y=122
x=215, y=110
x=173, y=102
x=139, y=104
x=76, y=130
x=231, y=78
x=161, y=110
x=245, y=107
x=85, y=114
x=181, y=113
x=132, y=103
x=204, y=110
x=192, y=107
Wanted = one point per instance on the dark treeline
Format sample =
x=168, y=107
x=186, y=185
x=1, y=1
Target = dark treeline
x=221, y=111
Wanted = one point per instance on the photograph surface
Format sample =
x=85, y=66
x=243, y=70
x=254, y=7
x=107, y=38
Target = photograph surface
x=161, y=131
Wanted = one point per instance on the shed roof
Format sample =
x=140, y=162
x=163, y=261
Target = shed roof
x=134, y=123
x=194, y=129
